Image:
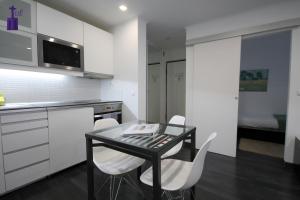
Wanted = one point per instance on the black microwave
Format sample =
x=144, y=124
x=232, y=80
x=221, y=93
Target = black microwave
x=59, y=54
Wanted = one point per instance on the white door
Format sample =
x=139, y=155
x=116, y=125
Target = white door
x=215, y=96
x=291, y=154
x=153, y=101
x=175, y=89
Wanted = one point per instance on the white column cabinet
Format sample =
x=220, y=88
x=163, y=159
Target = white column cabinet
x=98, y=51
x=59, y=25
x=67, y=128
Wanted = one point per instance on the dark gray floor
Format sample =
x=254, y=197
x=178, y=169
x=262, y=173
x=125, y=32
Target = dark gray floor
x=249, y=176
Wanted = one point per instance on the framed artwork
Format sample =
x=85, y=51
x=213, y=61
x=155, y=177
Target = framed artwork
x=254, y=80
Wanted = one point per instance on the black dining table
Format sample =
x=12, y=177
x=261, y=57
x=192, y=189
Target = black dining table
x=149, y=148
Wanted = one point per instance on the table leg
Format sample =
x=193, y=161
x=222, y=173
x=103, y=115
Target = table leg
x=90, y=169
x=139, y=173
x=193, y=154
x=156, y=177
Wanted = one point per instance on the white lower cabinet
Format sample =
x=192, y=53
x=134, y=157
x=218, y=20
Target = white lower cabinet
x=36, y=143
x=25, y=147
x=67, y=128
x=26, y=175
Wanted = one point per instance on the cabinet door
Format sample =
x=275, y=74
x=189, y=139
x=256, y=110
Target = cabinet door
x=67, y=130
x=98, y=50
x=17, y=47
x=59, y=25
x=25, y=10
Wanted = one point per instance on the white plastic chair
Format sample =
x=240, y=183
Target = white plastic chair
x=177, y=175
x=114, y=163
x=177, y=120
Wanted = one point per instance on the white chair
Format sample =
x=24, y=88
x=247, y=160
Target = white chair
x=114, y=163
x=177, y=120
x=177, y=175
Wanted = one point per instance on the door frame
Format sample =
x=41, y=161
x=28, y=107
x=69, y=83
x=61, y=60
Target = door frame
x=168, y=62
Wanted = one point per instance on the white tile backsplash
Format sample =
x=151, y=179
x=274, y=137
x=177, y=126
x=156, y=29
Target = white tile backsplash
x=22, y=86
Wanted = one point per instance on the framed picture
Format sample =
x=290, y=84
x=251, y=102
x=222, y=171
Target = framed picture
x=254, y=80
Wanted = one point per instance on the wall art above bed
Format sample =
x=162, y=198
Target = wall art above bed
x=254, y=80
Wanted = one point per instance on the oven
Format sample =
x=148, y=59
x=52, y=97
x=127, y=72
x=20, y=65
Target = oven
x=108, y=110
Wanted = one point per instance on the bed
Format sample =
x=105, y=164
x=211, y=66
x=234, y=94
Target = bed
x=262, y=127
x=265, y=122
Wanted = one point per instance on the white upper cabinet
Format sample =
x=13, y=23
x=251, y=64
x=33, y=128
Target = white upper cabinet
x=24, y=11
x=18, y=47
x=98, y=51
x=59, y=25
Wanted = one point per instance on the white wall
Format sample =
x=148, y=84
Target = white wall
x=270, y=51
x=129, y=69
x=23, y=86
x=294, y=100
x=162, y=57
x=264, y=15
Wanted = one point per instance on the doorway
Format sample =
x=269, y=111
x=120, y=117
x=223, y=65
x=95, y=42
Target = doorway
x=263, y=97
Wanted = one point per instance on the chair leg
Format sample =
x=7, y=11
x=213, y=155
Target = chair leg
x=169, y=195
x=133, y=185
x=182, y=195
x=118, y=188
x=101, y=187
x=111, y=189
x=193, y=194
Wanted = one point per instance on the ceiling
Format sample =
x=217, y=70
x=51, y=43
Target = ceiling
x=166, y=18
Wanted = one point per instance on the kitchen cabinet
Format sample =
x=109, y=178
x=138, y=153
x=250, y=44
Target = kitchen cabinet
x=67, y=128
x=98, y=51
x=17, y=47
x=53, y=23
x=26, y=14
x=25, y=147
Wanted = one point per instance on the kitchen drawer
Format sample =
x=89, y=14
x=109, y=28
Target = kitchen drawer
x=26, y=157
x=21, y=117
x=26, y=175
x=24, y=139
x=22, y=126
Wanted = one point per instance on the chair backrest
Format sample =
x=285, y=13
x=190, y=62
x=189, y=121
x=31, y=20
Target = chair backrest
x=198, y=163
x=105, y=123
x=177, y=119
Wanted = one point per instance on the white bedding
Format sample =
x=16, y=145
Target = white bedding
x=262, y=121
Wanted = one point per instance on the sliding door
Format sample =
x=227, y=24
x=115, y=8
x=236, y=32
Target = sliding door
x=291, y=152
x=216, y=69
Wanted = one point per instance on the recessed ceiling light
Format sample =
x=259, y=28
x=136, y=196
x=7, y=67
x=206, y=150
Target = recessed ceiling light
x=123, y=8
x=29, y=48
x=51, y=39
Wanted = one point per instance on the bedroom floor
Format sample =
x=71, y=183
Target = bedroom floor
x=262, y=147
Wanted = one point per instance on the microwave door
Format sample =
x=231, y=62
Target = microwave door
x=60, y=54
